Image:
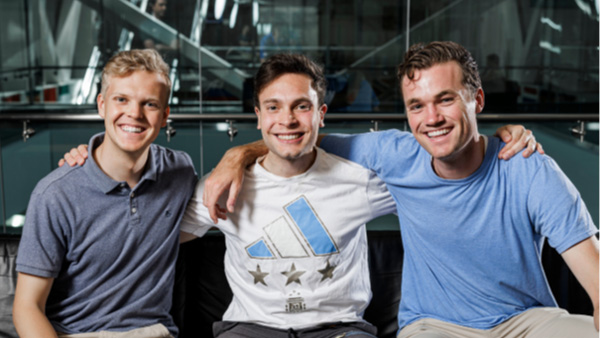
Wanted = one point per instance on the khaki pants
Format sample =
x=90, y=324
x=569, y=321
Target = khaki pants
x=534, y=323
x=152, y=331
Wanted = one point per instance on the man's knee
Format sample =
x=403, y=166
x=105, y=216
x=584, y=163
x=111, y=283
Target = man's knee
x=570, y=325
x=425, y=334
x=548, y=322
x=426, y=328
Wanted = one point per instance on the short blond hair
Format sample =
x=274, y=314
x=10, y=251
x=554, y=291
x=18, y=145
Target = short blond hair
x=126, y=62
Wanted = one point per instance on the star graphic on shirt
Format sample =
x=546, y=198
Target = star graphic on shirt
x=327, y=272
x=258, y=275
x=293, y=275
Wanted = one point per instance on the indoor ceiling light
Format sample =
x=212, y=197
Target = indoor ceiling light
x=233, y=17
x=219, y=8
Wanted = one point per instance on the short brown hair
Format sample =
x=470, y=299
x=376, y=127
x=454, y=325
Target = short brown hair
x=420, y=56
x=280, y=64
x=126, y=62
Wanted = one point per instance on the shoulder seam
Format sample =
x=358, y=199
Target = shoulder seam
x=54, y=181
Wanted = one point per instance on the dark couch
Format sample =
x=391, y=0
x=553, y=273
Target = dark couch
x=201, y=293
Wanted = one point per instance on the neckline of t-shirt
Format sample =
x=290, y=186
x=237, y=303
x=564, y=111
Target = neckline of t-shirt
x=260, y=170
x=491, y=150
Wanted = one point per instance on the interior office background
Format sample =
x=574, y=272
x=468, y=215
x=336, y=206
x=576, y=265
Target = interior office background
x=538, y=60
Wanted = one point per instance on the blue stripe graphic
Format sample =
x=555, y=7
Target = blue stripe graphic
x=310, y=226
x=259, y=250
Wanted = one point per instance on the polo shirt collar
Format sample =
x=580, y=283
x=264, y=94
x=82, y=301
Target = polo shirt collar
x=107, y=184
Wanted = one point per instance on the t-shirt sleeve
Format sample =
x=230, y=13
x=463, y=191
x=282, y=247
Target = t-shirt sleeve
x=380, y=199
x=360, y=148
x=391, y=154
x=556, y=209
x=43, y=244
x=196, y=219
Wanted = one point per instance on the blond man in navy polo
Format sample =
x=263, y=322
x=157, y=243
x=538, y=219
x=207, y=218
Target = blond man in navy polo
x=97, y=255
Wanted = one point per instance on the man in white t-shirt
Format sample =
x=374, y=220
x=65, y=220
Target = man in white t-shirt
x=296, y=260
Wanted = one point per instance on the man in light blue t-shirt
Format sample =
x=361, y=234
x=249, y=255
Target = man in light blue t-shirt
x=472, y=225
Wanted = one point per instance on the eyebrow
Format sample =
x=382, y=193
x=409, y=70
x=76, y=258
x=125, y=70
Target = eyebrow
x=412, y=101
x=269, y=101
x=301, y=100
x=146, y=99
x=295, y=102
x=445, y=92
x=437, y=96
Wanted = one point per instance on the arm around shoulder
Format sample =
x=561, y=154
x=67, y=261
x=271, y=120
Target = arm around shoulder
x=29, y=314
x=229, y=175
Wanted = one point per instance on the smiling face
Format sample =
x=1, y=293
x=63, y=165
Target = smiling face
x=441, y=110
x=134, y=108
x=289, y=118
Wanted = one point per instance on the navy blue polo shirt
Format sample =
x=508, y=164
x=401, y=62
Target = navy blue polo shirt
x=110, y=249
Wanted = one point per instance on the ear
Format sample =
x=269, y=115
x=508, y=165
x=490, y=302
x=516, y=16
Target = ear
x=322, y=111
x=165, y=117
x=100, y=105
x=480, y=99
x=257, y=112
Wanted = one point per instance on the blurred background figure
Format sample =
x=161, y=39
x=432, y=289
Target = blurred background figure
x=268, y=43
x=500, y=94
x=493, y=78
x=158, y=8
x=168, y=51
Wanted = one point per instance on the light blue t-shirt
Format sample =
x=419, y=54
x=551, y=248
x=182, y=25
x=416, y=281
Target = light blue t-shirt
x=110, y=249
x=472, y=246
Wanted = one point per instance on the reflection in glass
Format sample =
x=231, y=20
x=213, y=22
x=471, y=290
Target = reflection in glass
x=534, y=56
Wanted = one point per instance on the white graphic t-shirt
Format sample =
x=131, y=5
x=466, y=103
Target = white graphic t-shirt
x=296, y=247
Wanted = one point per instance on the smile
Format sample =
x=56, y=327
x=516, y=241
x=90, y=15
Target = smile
x=131, y=129
x=288, y=137
x=438, y=132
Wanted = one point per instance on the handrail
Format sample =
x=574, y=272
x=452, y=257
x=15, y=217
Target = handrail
x=93, y=117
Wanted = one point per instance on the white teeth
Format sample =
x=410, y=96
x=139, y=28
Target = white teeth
x=438, y=132
x=131, y=129
x=288, y=137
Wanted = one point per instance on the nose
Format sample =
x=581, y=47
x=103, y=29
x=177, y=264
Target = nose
x=135, y=111
x=287, y=117
x=433, y=115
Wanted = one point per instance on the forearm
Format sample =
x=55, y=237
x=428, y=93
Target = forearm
x=29, y=314
x=582, y=259
x=30, y=321
x=244, y=155
x=588, y=278
x=228, y=176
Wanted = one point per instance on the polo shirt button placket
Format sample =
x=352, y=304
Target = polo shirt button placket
x=133, y=208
